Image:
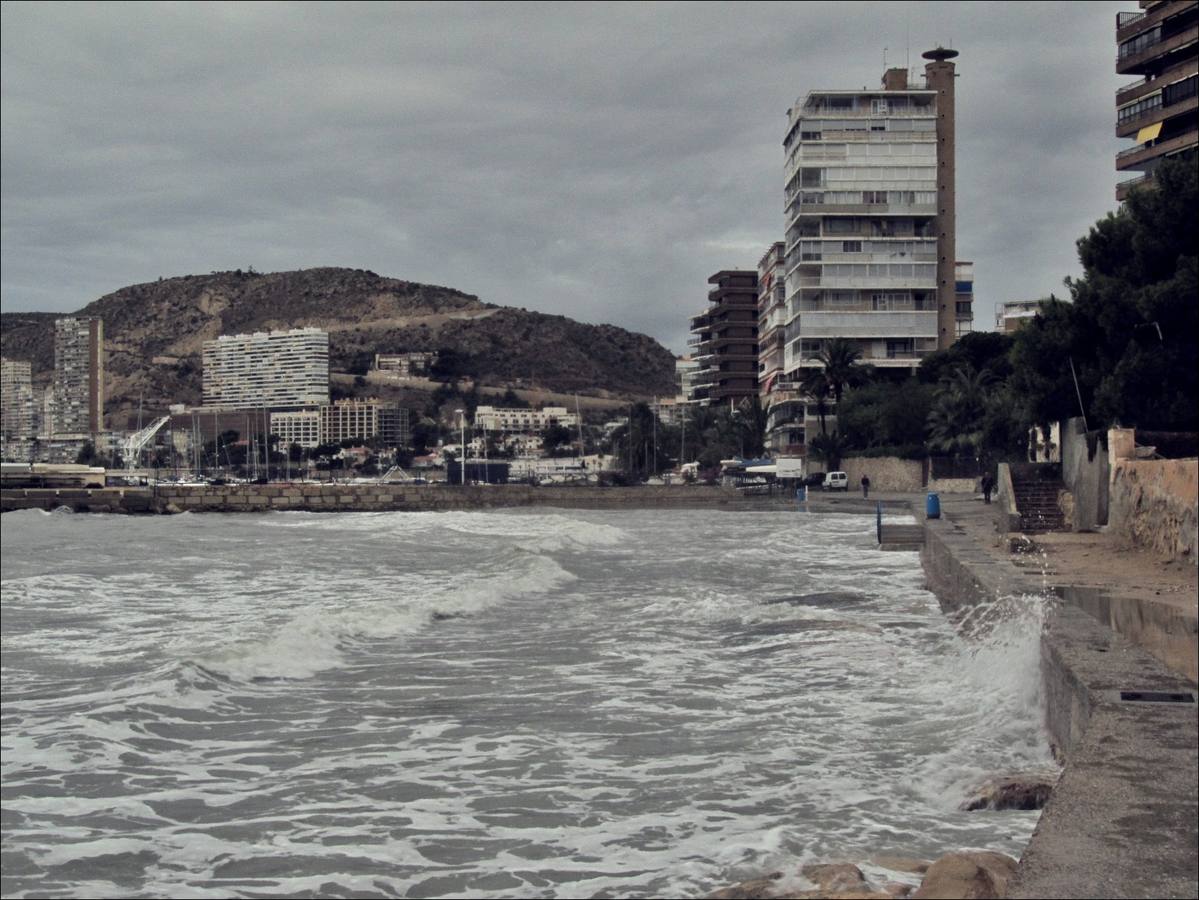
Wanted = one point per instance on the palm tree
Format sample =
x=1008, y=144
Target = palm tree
x=841, y=362
x=956, y=420
x=830, y=448
x=815, y=386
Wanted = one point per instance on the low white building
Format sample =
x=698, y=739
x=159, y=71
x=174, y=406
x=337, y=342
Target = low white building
x=510, y=420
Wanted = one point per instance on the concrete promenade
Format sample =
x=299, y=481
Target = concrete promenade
x=1123, y=820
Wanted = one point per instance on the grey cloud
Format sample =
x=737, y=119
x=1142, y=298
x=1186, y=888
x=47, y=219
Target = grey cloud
x=594, y=160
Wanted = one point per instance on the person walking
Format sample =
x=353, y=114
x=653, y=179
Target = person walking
x=988, y=485
x=865, y=486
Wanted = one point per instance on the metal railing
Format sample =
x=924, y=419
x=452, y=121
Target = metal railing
x=1127, y=18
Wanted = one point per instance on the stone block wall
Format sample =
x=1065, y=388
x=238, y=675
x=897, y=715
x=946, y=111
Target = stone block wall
x=886, y=473
x=1154, y=503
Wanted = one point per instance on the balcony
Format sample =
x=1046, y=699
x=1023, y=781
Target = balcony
x=1132, y=63
x=1143, y=86
x=1129, y=24
x=831, y=115
x=870, y=282
x=901, y=324
x=1179, y=106
x=1123, y=188
x=1133, y=157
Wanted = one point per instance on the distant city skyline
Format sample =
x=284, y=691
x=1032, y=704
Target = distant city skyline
x=593, y=161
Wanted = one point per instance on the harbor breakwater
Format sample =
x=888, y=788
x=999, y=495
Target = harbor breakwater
x=399, y=497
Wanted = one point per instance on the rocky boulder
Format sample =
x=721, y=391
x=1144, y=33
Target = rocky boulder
x=969, y=875
x=1025, y=791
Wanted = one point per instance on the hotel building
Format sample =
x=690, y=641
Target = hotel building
x=272, y=370
x=523, y=421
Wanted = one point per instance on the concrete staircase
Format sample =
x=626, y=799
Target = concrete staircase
x=1036, y=489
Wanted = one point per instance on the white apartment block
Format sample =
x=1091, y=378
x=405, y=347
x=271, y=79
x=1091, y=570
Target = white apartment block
x=494, y=418
x=869, y=190
x=685, y=370
x=301, y=427
x=276, y=369
x=783, y=404
x=17, y=411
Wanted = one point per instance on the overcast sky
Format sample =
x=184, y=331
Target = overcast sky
x=598, y=161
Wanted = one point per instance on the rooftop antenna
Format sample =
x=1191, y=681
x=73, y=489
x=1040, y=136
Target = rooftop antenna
x=884, y=59
x=907, y=45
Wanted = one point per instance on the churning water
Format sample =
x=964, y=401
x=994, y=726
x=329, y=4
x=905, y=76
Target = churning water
x=531, y=704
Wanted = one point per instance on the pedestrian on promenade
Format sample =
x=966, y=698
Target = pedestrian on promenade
x=865, y=486
x=988, y=485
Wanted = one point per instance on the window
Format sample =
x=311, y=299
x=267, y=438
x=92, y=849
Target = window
x=900, y=348
x=874, y=197
x=878, y=107
x=840, y=226
x=811, y=177
x=810, y=136
x=851, y=246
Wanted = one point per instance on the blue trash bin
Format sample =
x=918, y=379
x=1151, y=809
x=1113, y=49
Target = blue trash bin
x=932, y=508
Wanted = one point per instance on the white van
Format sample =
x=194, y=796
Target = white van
x=836, y=481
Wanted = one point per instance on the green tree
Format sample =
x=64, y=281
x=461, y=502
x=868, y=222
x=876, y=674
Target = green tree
x=816, y=387
x=981, y=350
x=883, y=414
x=842, y=366
x=829, y=448
x=1131, y=331
x=956, y=420
x=554, y=438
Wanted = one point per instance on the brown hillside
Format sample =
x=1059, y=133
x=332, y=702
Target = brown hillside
x=154, y=331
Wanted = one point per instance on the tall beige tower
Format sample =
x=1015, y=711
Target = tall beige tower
x=939, y=77
x=79, y=375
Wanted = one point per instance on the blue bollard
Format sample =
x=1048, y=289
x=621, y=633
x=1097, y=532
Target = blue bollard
x=932, y=507
x=801, y=496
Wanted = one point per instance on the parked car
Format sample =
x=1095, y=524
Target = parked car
x=816, y=479
x=836, y=481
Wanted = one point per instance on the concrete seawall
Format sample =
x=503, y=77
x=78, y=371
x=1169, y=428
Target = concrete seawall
x=1122, y=819
x=417, y=498
x=372, y=498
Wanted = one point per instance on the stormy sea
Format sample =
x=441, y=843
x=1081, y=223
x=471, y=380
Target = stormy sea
x=534, y=703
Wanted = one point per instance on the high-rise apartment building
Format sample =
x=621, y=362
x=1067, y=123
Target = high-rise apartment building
x=725, y=340
x=17, y=411
x=78, y=376
x=272, y=370
x=870, y=221
x=1160, y=110
x=783, y=405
